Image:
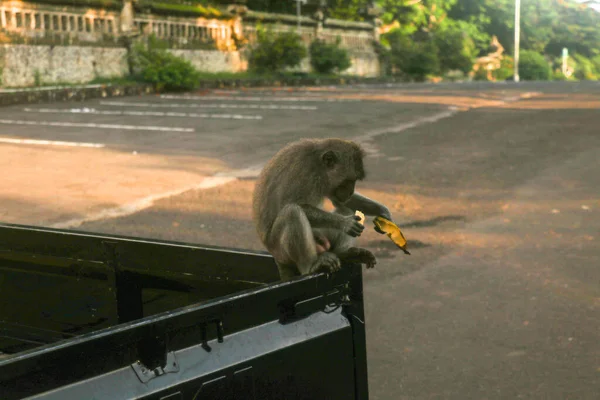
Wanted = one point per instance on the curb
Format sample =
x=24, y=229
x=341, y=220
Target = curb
x=78, y=93
x=69, y=93
x=289, y=81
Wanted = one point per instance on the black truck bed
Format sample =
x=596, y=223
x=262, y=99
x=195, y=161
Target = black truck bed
x=89, y=316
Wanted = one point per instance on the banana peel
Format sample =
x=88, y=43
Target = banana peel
x=392, y=231
x=384, y=225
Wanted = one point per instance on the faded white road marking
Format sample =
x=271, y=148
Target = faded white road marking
x=408, y=125
x=50, y=143
x=244, y=173
x=93, y=111
x=452, y=110
x=93, y=125
x=141, y=204
x=215, y=105
x=256, y=98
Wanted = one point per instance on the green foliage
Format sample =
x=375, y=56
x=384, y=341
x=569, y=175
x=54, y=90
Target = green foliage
x=353, y=10
x=423, y=61
x=585, y=69
x=480, y=75
x=182, y=10
x=326, y=58
x=415, y=59
x=274, y=53
x=559, y=76
x=596, y=63
x=165, y=71
x=104, y=4
x=37, y=78
x=274, y=6
x=506, y=70
x=454, y=76
x=456, y=49
x=384, y=55
x=546, y=27
x=533, y=66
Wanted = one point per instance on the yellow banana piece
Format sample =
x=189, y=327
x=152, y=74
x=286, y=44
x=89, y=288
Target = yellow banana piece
x=392, y=231
x=361, y=215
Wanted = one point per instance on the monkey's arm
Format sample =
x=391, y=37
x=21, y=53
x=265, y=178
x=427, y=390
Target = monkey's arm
x=367, y=206
x=322, y=219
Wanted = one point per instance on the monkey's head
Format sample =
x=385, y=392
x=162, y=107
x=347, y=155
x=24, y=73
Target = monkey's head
x=343, y=162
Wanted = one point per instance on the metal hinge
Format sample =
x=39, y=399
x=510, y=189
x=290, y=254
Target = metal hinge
x=146, y=374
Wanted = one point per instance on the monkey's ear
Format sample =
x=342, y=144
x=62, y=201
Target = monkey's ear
x=329, y=159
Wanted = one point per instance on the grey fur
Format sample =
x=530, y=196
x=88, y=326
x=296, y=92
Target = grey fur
x=288, y=200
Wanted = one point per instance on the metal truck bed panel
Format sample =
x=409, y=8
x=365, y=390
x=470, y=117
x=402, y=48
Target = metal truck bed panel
x=272, y=360
x=58, y=284
x=240, y=333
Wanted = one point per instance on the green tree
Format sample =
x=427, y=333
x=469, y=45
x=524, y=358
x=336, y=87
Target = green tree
x=456, y=48
x=153, y=64
x=414, y=57
x=533, y=66
x=273, y=53
x=326, y=58
x=585, y=69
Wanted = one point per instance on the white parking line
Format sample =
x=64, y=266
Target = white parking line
x=50, y=143
x=254, y=98
x=99, y=126
x=141, y=204
x=214, y=105
x=93, y=111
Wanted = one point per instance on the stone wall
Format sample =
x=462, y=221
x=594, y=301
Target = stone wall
x=23, y=65
x=42, y=43
x=364, y=63
x=356, y=37
x=213, y=61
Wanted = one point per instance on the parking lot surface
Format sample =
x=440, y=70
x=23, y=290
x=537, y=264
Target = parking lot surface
x=496, y=187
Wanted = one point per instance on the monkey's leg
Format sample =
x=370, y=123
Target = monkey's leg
x=360, y=255
x=292, y=243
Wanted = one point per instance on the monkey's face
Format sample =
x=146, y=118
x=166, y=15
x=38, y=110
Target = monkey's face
x=344, y=191
x=344, y=167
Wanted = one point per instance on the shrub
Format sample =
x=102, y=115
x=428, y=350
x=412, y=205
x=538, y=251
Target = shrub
x=326, y=58
x=422, y=61
x=414, y=59
x=596, y=62
x=506, y=69
x=480, y=75
x=384, y=55
x=163, y=69
x=456, y=49
x=585, y=69
x=533, y=66
x=274, y=53
x=559, y=76
x=454, y=75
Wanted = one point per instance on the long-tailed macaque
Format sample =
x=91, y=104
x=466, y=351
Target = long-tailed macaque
x=302, y=237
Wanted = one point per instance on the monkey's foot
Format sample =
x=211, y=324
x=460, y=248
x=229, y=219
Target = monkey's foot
x=327, y=262
x=360, y=255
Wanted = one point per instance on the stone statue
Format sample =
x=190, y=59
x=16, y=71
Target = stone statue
x=491, y=62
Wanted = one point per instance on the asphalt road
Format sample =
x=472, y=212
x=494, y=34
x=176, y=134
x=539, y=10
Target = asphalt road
x=497, y=188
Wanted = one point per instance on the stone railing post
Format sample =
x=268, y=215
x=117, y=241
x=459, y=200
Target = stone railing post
x=319, y=16
x=127, y=15
x=238, y=10
x=374, y=13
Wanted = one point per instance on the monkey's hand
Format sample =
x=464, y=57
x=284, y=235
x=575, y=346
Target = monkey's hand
x=352, y=226
x=357, y=254
x=326, y=262
x=385, y=215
